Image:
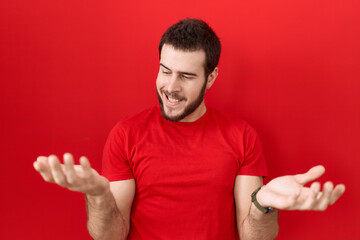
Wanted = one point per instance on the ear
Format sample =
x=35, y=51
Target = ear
x=211, y=78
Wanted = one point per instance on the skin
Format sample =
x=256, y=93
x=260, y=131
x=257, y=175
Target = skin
x=108, y=204
x=285, y=193
x=181, y=77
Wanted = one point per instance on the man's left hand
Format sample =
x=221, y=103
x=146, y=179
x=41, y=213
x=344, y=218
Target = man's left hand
x=289, y=192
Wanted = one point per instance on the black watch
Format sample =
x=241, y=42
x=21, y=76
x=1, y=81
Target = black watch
x=256, y=203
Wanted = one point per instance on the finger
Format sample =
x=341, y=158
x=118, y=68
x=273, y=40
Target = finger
x=315, y=186
x=70, y=173
x=319, y=196
x=36, y=166
x=56, y=170
x=41, y=163
x=310, y=200
x=42, y=166
x=338, y=191
x=85, y=164
x=312, y=174
x=324, y=200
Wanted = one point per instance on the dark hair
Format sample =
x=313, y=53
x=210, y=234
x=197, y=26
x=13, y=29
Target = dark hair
x=191, y=35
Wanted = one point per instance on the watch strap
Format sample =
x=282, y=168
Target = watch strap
x=257, y=204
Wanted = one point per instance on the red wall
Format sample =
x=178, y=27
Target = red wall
x=69, y=70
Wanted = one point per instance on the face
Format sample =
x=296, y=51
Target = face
x=181, y=84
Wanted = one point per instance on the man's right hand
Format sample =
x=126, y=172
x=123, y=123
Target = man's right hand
x=80, y=178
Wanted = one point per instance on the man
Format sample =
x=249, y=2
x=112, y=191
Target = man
x=182, y=170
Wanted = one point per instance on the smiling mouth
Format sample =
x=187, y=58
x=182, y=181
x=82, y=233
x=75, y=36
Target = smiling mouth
x=173, y=98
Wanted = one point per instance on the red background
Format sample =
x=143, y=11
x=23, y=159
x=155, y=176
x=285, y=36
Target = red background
x=71, y=69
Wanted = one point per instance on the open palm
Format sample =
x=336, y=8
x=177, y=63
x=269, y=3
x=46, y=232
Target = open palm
x=289, y=192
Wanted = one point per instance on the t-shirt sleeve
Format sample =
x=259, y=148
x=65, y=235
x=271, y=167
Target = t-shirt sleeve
x=115, y=162
x=253, y=157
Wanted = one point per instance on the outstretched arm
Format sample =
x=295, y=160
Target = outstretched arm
x=286, y=192
x=252, y=224
x=108, y=204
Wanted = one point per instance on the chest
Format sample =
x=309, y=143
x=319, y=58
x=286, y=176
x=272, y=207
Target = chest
x=193, y=163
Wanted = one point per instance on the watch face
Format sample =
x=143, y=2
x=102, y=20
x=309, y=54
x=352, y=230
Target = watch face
x=270, y=209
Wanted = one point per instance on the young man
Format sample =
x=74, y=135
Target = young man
x=181, y=170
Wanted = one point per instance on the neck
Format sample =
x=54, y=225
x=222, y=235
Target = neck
x=195, y=115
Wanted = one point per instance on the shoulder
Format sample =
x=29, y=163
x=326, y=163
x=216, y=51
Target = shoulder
x=141, y=118
x=229, y=120
x=233, y=127
x=138, y=122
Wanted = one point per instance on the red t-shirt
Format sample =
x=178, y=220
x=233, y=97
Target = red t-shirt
x=184, y=172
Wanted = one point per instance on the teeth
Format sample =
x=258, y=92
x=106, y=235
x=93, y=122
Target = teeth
x=173, y=99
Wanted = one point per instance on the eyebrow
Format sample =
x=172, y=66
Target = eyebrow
x=184, y=73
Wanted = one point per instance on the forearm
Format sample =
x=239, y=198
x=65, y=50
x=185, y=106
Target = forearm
x=105, y=221
x=258, y=225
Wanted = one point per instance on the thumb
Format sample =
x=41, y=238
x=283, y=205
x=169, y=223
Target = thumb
x=312, y=174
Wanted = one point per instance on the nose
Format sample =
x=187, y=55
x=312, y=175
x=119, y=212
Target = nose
x=173, y=84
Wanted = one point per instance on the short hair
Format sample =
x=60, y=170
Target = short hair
x=191, y=35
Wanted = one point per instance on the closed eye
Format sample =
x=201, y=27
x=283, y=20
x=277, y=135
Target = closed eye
x=187, y=77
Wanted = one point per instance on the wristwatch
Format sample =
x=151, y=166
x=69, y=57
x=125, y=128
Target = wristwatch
x=257, y=204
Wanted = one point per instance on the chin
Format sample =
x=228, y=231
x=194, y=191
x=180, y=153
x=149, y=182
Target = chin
x=173, y=118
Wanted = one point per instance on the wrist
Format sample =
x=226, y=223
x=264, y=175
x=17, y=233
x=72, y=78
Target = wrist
x=263, y=208
x=101, y=194
x=100, y=188
x=100, y=202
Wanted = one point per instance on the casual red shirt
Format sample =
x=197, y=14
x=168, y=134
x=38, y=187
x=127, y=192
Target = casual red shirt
x=184, y=172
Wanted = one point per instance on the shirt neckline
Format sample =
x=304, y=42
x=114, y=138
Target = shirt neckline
x=185, y=124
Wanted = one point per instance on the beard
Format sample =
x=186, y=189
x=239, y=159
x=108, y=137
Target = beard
x=188, y=109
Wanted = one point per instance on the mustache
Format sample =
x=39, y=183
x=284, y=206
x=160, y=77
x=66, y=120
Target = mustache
x=173, y=95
